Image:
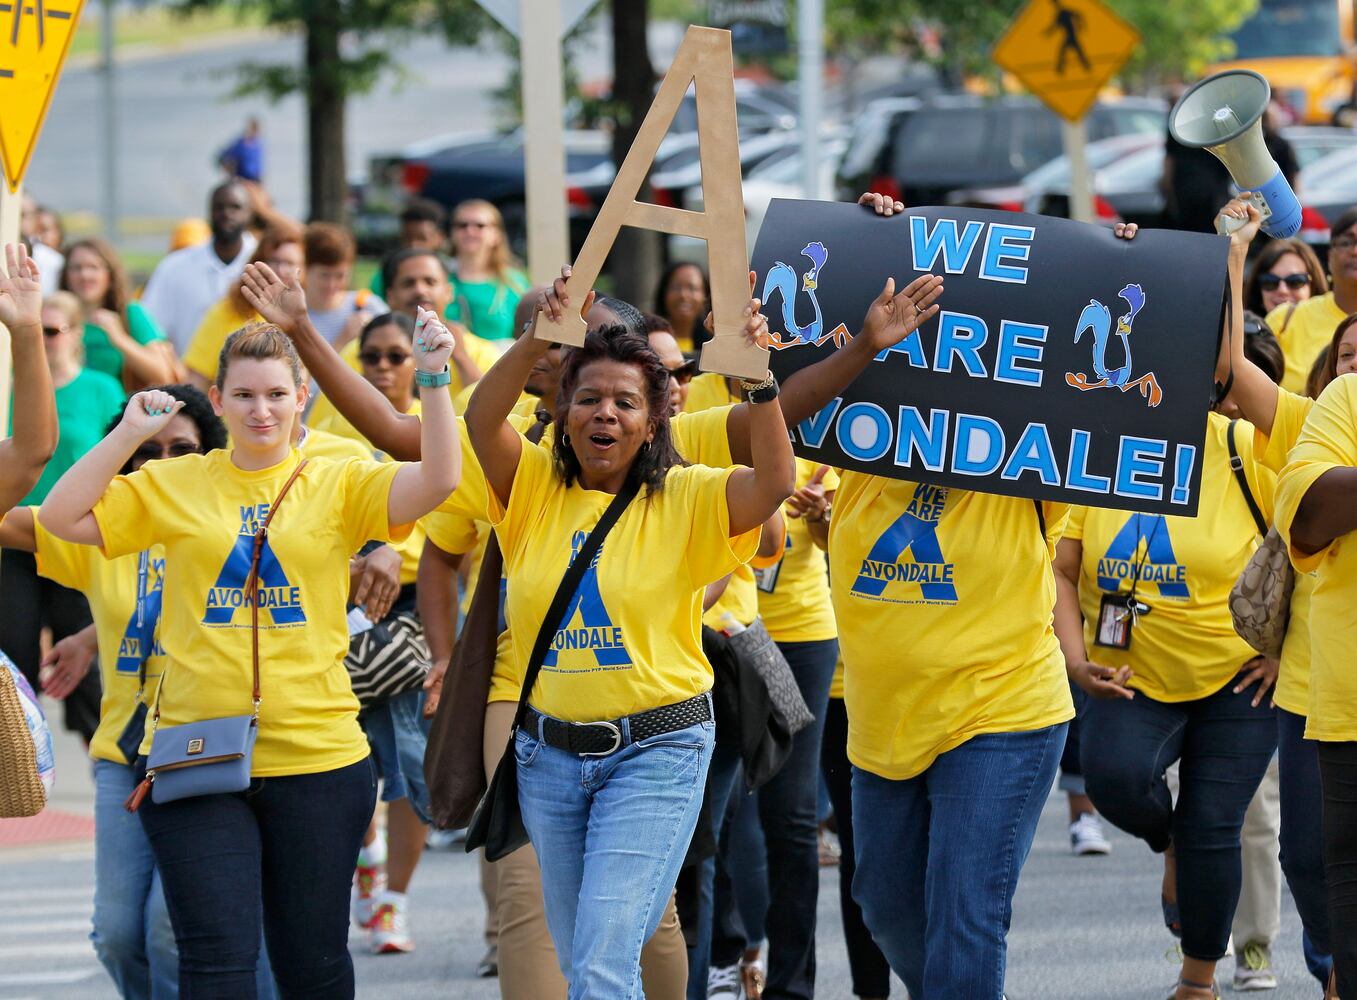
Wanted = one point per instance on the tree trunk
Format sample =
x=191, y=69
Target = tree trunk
x=325, y=114
x=637, y=255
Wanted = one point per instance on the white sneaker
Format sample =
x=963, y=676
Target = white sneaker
x=369, y=881
x=390, y=934
x=1087, y=837
x=1253, y=968
x=724, y=983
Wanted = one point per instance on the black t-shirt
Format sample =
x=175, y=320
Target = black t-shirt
x=1199, y=187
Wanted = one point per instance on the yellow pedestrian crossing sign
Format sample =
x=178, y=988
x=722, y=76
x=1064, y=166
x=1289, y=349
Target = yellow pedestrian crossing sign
x=34, y=37
x=1065, y=51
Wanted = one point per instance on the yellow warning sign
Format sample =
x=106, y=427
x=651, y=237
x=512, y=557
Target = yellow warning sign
x=1065, y=51
x=34, y=37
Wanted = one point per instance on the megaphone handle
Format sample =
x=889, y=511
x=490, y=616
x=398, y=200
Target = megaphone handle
x=1227, y=224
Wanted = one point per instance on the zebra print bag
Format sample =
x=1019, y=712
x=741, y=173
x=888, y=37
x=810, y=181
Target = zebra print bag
x=388, y=659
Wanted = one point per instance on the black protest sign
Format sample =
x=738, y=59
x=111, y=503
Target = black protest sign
x=1063, y=364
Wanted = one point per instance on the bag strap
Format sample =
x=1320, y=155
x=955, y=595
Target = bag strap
x=569, y=584
x=1237, y=464
x=252, y=581
x=1041, y=519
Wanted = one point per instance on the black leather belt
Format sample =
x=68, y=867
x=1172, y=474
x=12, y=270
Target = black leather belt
x=599, y=739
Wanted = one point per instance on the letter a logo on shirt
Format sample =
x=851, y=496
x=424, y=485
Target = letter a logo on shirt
x=277, y=596
x=1159, y=567
x=139, y=642
x=916, y=532
x=595, y=631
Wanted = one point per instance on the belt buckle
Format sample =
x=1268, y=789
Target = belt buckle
x=617, y=739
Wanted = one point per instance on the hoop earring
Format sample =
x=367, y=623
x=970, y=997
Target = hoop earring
x=565, y=439
x=645, y=448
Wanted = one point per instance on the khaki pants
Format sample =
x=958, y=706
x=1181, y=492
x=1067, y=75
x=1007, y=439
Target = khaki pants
x=1258, y=918
x=528, y=968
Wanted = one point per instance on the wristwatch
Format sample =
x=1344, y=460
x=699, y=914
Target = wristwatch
x=432, y=380
x=761, y=392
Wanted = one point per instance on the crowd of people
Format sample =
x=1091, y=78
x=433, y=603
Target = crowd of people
x=256, y=512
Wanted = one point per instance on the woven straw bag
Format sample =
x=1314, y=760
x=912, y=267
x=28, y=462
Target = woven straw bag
x=1260, y=602
x=21, y=789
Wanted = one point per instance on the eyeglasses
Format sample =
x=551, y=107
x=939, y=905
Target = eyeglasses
x=374, y=358
x=683, y=374
x=1343, y=244
x=53, y=331
x=471, y=224
x=150, y=451
x=1271, y=282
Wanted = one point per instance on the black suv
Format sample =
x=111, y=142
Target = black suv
x=920, y=151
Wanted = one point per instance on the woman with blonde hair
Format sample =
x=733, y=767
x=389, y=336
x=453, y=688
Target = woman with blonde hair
x=257, y=542
x=121, y=339
x=487, y=282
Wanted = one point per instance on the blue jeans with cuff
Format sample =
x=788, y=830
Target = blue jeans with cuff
x=398, y=734
x=610, y=834
x=291, y=842
x=938, y=858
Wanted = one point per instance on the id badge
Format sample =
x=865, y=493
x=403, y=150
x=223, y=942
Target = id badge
x=1115, y=620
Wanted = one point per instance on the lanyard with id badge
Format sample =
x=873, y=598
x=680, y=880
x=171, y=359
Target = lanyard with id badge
x=1119, y=613
x=129, y=740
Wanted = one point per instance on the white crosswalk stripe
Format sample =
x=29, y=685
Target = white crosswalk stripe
x=45, y=950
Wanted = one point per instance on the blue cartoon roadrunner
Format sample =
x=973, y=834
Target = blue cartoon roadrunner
x=1098, y=318
x=782, y=279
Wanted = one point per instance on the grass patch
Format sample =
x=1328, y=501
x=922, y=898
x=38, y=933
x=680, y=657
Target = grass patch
x=156, y=26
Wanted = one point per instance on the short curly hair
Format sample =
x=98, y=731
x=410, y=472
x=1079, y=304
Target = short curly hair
x=198, y=408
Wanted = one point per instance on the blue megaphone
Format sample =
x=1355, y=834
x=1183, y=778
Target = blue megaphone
x=1223, y=114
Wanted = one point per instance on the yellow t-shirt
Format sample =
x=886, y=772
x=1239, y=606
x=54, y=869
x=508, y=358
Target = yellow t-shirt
x=1308, y=331
x=942, y=641
x=1328, y=441
x=308, y=715
x=707, y=391
x=631, y=640
x=1293, y=677
x=794, y=594
x=482, y=352
x=110, y=586
x=1186, y=647
x=217, y=324
x=322, y=444
x=411, y=546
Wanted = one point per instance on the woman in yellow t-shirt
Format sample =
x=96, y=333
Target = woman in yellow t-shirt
x=285, y=848
x=131, y=933
x=1278, y=417
x=613, y=751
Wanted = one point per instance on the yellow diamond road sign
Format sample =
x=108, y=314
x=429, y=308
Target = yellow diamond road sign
x=34, y=37
x=1065, y=51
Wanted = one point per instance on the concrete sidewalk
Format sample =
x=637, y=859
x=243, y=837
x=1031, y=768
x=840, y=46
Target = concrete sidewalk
x=68, y=820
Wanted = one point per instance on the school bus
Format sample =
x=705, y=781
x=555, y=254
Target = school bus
x=1304, y=49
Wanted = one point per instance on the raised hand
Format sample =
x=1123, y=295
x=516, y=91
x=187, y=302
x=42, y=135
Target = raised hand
x=880, y=204
x=20, y=289
x=149, y=411
x=433, y=342
x=281, y=303
x=1243, y=213
x=893, y=317
x=755, y=323
x=555, y=300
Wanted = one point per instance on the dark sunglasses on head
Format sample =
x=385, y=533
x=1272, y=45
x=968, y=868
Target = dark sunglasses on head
x=1270, y=282
x=150, y=451
x=52, y=331
x=374, y=358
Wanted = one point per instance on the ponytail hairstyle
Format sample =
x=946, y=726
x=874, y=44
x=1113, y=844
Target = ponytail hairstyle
x=617, y=343
x=258, y=342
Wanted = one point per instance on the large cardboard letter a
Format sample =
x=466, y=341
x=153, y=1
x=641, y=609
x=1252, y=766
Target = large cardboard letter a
x=705, y=60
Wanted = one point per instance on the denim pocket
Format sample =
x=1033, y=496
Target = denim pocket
x=695, y=737
x=526, y=748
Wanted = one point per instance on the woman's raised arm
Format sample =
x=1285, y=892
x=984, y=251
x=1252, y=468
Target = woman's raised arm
x=33, y=405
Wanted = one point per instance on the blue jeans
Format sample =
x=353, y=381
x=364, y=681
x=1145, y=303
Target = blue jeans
x=292, y=842
x=398, y=733
x=938, y=858
x=1223, y=745
x=610, y=834
x=132, y=934
x=1302, y=839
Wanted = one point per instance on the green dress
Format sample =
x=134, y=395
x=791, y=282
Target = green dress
x=102, y=356
x=487, y=307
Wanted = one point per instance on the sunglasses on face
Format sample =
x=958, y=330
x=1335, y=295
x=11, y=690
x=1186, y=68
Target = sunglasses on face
x=683, y=374
x=470, y=224
x=150, y=451
x=53, y=331
x=374, y=358
x=1271, y=282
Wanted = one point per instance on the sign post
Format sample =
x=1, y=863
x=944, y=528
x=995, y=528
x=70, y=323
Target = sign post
x=1065, y=51
x=32, y=51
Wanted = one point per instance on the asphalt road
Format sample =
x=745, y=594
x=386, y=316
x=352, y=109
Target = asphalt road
x=1083, y=928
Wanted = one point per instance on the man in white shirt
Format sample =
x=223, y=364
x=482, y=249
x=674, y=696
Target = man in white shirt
x=48, y=258
x=190, y=281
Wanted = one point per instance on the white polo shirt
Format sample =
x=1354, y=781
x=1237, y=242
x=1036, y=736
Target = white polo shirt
x=189, y=282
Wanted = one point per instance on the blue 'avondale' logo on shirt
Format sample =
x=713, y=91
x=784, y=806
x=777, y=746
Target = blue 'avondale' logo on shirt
x=916, y=532
x=139, y=642
x=1123, y=563
x=277, y=596
x=588, y=625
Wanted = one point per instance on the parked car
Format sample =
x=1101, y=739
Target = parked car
x=920, y=151
x=1329, y=187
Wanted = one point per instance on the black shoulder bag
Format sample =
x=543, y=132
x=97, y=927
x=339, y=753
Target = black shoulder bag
x=497, y=824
